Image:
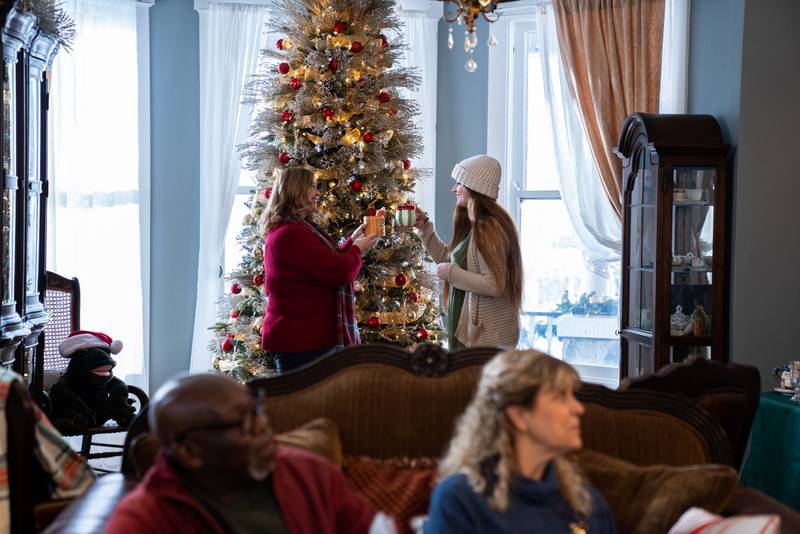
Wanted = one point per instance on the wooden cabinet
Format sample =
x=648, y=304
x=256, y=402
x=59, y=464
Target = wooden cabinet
x=674, y=259
x=27, y=55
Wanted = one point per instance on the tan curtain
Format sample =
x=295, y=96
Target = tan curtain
x=611, y=50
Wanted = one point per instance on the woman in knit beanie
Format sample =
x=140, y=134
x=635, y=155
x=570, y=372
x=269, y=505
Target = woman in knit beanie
x=482, y=265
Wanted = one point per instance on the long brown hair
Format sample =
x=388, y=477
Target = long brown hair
x=493, y=232
x=289, y=198
x=484, y=434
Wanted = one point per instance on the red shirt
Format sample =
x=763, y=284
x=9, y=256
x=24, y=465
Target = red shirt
x=302, y=276
x=312, y=494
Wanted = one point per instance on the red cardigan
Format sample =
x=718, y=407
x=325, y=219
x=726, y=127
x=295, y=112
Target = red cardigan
x=312, y=495
x=302, y=276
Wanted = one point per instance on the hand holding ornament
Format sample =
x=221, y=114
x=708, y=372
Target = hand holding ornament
x=358, y=232
x=422, y=218
x=365, y=242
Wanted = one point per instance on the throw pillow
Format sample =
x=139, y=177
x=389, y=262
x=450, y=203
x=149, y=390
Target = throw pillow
x=319, y=436
x=646, y=499
x=699, y=521
x=400, y=487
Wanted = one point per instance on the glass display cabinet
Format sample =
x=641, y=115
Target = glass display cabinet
x=674, y=254
x=27, y=54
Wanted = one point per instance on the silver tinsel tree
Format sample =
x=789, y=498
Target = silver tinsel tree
x=331, y=99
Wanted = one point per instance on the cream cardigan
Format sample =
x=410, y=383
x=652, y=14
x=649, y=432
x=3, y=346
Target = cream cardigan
x=489, y=316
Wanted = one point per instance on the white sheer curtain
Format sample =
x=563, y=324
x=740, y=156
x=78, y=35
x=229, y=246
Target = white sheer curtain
x=581, y=189
x=94, y=223
x=231, y=36
x=421, y=24
x=675, y=57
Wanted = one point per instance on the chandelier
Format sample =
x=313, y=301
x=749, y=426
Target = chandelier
x=468, y=11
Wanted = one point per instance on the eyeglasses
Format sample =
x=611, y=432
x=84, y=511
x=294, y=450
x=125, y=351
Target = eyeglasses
x=246, y=424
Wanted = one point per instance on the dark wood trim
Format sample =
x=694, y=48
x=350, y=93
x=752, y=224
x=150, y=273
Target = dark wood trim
x=426, y=360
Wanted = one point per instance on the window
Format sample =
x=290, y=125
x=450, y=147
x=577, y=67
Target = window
x=570, y=302
x=97, y=212
x=233, y=251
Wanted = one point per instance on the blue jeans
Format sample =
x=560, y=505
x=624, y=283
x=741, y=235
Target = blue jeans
x=289, y=361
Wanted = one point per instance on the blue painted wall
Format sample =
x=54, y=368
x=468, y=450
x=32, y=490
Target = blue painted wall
x=460, y=115
x=715, y=62
x=175, y=160
x=743, y=59
x=765, y=282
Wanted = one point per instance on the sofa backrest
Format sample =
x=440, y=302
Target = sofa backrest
x=729, y=393
x=650, y=427
x=385, y=402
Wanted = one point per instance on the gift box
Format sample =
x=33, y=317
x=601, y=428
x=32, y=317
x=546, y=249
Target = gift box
x=405, y=214
x=376, y=224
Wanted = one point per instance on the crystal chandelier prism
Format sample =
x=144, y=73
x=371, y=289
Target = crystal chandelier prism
x=467, y=12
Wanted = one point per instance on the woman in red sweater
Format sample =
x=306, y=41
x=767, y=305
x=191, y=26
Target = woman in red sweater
x=308, y=278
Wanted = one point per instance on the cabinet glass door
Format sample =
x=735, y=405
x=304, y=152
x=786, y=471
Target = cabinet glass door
x=642, y=254
x=34, y=188
x=691, y=280
x=9, y=215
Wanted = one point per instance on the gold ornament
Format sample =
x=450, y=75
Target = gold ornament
x=352, y=136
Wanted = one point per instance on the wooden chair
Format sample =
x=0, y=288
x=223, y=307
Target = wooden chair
x=62, y=300
x=727, y=392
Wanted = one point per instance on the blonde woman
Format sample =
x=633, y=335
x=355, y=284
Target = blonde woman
x=504, y=470
x=482, y=265
x=308, y=278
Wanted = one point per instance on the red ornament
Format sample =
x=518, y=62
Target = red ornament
x=384, y=97
x=295, y=83
x=227, y=346
x=355, y=185
x=413, y=297
x=406, y=164
x=283, y=157
x=327, y=113
x=235, y=314
x=236, y=288
x=356, y=47
x=267, y=193
x=384, y=41
x=400, y=279
x=371, y=211
x=339, y=26
x=258, y=280
x=374, y=322
x=368, y=137
x=287, y=115
x=334, y=64
x=284, y=68
x=391, y=111
x=280, y=44
x=422, y=334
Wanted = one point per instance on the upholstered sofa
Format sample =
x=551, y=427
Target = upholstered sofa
x=398, y=409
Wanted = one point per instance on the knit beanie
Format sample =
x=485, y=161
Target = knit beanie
x=480, y=174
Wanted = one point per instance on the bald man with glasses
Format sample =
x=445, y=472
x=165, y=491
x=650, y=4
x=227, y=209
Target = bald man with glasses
x=219, y=471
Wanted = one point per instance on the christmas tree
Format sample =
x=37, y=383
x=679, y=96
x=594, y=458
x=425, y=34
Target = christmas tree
x=331, y=98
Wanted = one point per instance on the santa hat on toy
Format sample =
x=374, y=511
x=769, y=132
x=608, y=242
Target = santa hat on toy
x=84, y=339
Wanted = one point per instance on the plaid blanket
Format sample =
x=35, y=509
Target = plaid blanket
x=70, y=474
x=346, y=324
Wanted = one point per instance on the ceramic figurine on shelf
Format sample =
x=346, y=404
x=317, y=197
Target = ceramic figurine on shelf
x=699, y=319
x=678, y=322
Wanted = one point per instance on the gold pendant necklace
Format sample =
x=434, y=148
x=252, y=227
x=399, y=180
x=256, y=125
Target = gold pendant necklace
x=578, y=528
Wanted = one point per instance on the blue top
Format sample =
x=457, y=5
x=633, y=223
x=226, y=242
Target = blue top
x=534, y=506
